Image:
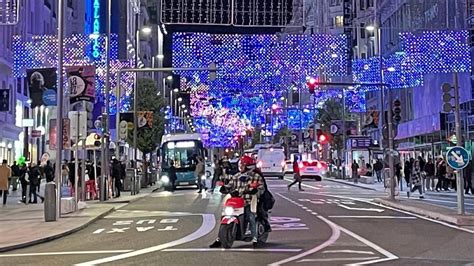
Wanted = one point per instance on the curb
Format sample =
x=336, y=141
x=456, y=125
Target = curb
x=452, y=219
x=53, y=237
x=349, y=184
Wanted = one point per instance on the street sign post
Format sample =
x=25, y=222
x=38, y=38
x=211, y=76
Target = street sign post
x=458, y=158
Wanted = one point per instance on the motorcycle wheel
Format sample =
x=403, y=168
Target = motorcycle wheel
x=262, y=234
x=227, y=235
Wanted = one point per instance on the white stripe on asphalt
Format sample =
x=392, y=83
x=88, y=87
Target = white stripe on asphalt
x=349, y=251
x=231, y=250
x=208, y=224
x=334, y=237
x=65, y=253
x=371, y=217
x=338, y=259
x=390, y=208
x=389, y=256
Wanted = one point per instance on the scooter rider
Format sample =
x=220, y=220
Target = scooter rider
x=249, y=185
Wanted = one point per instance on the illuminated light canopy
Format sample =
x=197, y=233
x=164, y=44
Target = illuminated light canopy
x=41, y=52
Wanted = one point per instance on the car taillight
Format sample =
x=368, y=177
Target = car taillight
x=301, y=165
x=319, y=165
x=259, y=164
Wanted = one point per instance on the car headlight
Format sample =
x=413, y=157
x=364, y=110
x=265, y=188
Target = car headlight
x=203, y=177
x=165, y=179
x=228, y=210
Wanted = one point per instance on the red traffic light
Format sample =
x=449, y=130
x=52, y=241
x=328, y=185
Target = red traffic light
x=323, y=138
x=312, y=82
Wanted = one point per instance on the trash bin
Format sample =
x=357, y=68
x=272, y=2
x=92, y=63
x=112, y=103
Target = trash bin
x=128, y=180
x=50, y=202
x=144, y=181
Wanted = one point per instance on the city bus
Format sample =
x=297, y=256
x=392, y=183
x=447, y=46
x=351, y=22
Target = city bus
x=182, y=149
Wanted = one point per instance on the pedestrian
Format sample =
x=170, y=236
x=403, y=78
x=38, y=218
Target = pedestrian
x=296, y=174
x=416, y=180
x=90, y=181
x=468, y=179
x=5, y=173
x=172, y=175
x=200, y=174
x=49, y=172
x=407, y=171
x=117, y=176
x=15, y=176
x=441, y=174
x=369, y=170
x=217, y=172
x=450, y=178
x=64, y=174
x=429, y=170
x=41, y=176
x=398, y=174
x=34, y=178
x=378, y=167
x=355, y=171
x=24, y=182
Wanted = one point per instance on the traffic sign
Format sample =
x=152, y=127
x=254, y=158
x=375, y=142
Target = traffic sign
x=457, y=157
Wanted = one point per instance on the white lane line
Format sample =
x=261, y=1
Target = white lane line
x=334, y=237
x=389, y=256
x=208, y=224
x=65, y=253
x=391, y=208
x=231, y=250
x=371, y=217
x=349, y=251
x=359, y=209
x=338, y=259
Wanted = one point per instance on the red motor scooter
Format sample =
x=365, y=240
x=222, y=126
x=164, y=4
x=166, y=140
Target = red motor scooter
x=233, y=225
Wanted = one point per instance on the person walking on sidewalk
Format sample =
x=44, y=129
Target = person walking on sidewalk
x=407, y=168
x=296, y=174
x=15, y=176
x=34, y=177
x=441, y=174
x=468, y=179
x=429, y=169
x=355, y=171
x=378, y=167
x=416, y=180
x=24, y=179
x=5, y=173
x=200, y=173
x=117, y=177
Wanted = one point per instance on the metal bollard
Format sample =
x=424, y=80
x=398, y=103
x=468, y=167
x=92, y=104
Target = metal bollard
x=50, y=202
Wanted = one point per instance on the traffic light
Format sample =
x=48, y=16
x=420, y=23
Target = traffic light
x=447, y=106
x=97, y=141
x=312, y=82
x=323, y=138
x=397, y=110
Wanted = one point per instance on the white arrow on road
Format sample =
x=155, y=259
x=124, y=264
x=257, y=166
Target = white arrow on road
x=360, y=209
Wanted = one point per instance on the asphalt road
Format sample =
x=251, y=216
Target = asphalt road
x=327, y=224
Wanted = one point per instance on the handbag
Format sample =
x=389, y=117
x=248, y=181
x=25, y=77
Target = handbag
x=268, y=201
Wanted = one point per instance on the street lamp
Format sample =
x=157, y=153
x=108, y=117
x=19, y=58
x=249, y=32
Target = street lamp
x=146, y=30
x=180, y=99
x=170, y=78
x=370, y=28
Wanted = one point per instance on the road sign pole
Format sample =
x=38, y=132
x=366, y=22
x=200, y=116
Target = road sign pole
x=459, y=173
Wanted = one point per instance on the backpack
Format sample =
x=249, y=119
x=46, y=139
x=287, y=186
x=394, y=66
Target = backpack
x=267, y=200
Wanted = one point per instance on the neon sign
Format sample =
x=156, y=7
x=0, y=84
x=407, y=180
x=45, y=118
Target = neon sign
x=96, y=29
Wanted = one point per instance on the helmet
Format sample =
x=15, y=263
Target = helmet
x=247, y=161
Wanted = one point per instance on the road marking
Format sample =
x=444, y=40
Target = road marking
x=168, y=228
x=360, y=209
x=144, y=229
x=166, y=194
x=338, y=259
x=208, y=224
x=128, y=222
x=169, y=221
x=334, y=237
x=151, y=221
x=393, y=209
x=349, y=251
x=65, y=253
x=372, y=217
x=231, y=250
x=98, y=231
x=118, y=230
x=337, y=228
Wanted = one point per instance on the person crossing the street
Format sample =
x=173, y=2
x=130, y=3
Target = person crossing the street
x=296, y=176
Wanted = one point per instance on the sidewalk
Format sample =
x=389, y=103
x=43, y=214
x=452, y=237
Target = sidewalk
x=24, y=225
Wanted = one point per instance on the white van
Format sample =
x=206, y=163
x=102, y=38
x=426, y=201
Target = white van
x=271, y=161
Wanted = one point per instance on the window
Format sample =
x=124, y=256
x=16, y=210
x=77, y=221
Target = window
x=362, y=30
x=370, y=3
x=10, y=87
x=339, y=21
x=18, y=85
x=362, y=4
